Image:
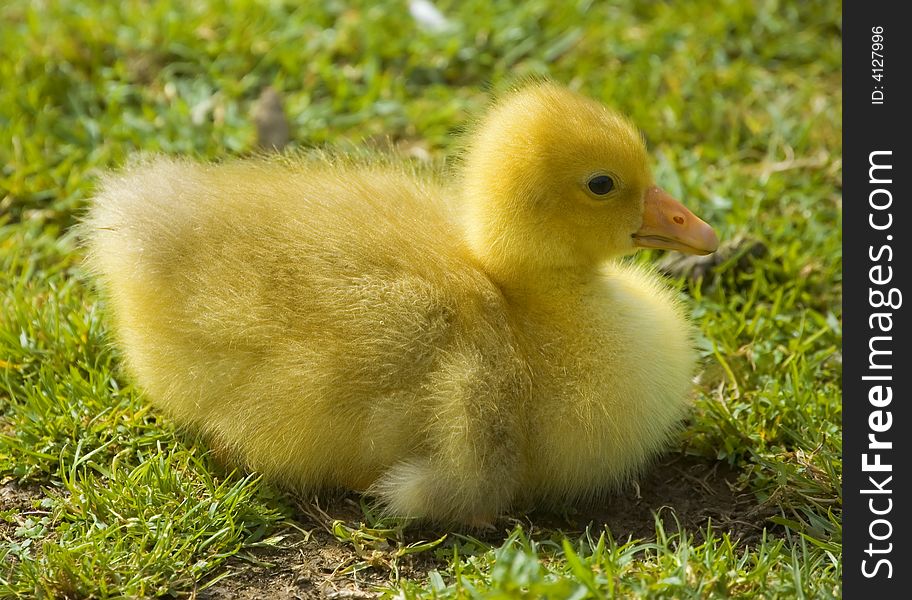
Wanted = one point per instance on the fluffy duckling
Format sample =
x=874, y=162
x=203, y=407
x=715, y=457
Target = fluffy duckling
x=451, y=348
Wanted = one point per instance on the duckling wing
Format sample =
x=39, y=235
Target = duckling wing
x=286, y=308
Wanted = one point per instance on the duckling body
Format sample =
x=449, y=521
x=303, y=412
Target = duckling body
x=335, y=323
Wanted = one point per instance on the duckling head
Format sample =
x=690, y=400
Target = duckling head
x=554, y=181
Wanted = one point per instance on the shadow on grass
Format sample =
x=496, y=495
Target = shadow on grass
x=331, y=552
x=688, y=492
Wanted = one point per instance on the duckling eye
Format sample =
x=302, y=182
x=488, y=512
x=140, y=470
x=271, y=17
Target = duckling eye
x=601, y=185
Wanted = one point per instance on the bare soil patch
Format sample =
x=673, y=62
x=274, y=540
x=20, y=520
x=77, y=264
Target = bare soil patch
x=16, y=505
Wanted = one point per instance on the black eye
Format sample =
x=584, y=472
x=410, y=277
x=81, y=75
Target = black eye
x=601, y=185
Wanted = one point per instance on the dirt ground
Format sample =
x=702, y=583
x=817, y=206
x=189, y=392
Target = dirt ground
x=312, y=566
x=17, y=504
x=19, y=500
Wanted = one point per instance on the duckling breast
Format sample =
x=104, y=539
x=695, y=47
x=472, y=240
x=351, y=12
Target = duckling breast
x=613, y=372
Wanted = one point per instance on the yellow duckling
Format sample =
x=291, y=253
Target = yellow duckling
x=453, y=349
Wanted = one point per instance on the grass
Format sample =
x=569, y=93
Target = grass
x=741, y=104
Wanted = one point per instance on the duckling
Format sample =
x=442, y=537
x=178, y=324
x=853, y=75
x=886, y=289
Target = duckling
x=452, y=346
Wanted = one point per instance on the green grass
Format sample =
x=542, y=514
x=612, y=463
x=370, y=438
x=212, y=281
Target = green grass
x=741, y=104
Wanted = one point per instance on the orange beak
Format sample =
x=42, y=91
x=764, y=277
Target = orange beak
x=668, y=224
